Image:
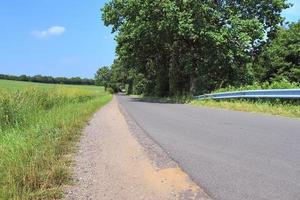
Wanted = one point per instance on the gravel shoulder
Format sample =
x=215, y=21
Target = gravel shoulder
x=117, y=160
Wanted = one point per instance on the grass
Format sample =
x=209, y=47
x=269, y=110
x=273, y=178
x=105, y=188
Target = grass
x=279, y=108
x=19, y=85
x=39, y=125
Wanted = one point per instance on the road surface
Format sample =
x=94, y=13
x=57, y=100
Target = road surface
x=232, y=155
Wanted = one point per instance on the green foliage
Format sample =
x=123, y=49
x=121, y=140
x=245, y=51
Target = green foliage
x=189, y=47
x=139, y=84
x=49, y=79
x=38, y=128
x=281, y=58
x=103, y=76
x=283, y=84
x=281, y=108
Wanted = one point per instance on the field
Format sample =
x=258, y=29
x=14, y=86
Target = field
x=39, y=125
x=19, y=85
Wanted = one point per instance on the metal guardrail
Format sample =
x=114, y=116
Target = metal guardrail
x=255, y=94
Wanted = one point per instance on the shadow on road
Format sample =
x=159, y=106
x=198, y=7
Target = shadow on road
x=151, y=99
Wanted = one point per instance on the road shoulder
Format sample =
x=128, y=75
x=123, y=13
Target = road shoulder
x=117, y=160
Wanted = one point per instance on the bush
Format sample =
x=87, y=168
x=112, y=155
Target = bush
x=283, y=84
x=111, y=90
x=139, y=84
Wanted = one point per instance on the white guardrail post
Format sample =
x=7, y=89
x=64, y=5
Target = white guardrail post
x=255, y=94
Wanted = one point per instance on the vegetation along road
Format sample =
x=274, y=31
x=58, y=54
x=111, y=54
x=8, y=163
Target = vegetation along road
x=132, y=148
x=39, y=125
x=232, y=155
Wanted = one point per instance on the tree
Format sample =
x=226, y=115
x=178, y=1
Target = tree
x=23, y=78
x=281, y=58
x=102, y=77
x=187, y=47
x=49, y=79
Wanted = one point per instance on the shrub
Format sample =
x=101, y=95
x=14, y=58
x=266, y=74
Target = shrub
x=283, y=84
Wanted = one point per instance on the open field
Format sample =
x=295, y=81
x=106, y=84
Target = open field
x=19, y=85
x=39, y=124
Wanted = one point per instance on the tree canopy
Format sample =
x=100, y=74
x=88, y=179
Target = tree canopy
x=177, y=47
x=103, y=76
x=281, y=58
x=49, y=79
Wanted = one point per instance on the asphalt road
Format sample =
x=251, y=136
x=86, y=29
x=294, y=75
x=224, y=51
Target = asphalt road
x=232, y=155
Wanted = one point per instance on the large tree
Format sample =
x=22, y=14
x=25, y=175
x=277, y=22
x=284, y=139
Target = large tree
x=191, y=46
x=103, y=77
x=281, y=58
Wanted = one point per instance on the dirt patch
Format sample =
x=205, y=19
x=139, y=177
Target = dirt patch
x=112, y=164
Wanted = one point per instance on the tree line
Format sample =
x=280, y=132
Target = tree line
x=187, y=47
x=49, y=79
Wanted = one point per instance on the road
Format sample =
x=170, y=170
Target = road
x=111, y=165
x=232, y=155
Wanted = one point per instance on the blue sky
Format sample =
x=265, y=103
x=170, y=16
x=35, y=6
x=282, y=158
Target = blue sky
x=61, y=37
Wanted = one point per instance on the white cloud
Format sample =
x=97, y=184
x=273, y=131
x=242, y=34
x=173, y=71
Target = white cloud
x=52, y=31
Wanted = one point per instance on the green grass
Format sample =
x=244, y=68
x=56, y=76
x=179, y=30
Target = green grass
x=39, y=127
x=266, y=107
x=19, y=85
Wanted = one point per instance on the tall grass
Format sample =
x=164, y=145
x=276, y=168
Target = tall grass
x=280, y=108
x=38, y=128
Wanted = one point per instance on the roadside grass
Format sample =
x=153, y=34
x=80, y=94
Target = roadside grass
x=39, y=128
x=280, y=108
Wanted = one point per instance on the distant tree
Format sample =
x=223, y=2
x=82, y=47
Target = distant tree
x=23, y=78
x=103, y=77
x=49, y=79
x=61, y=80
x=86, y=81
x=75, y=80
x=38, y=78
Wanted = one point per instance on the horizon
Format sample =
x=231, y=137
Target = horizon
x=62, y=41
x=32, y=76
